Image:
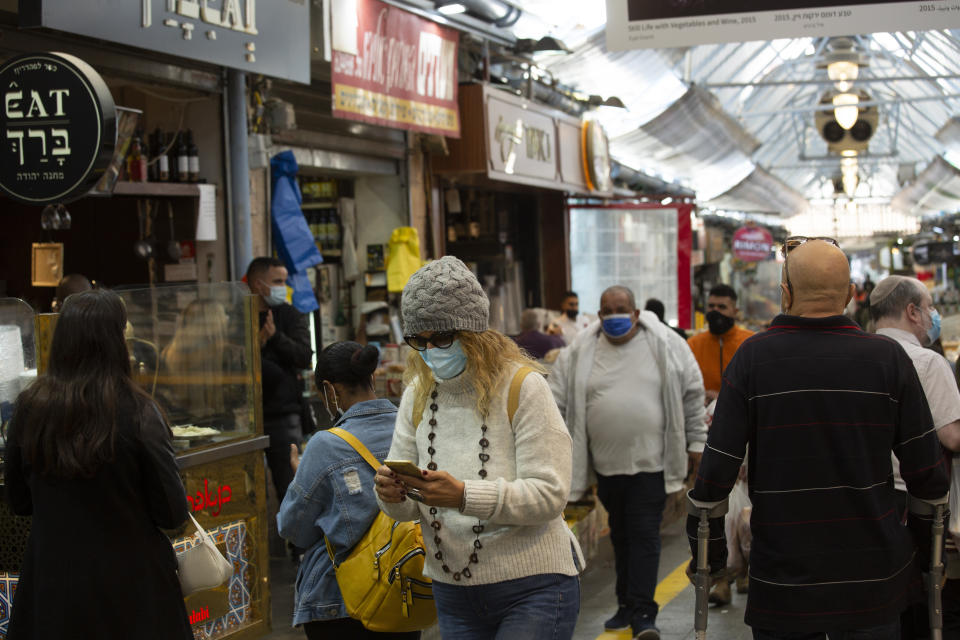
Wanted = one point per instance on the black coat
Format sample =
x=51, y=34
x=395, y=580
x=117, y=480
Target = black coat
x=97, y=565
x=284, y=355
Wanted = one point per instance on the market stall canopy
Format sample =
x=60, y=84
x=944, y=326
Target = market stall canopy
x=937, y=188
x=762, y=192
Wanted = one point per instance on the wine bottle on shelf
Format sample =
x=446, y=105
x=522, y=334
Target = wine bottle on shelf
x=172, y=157
x=474, y=224
x=163, y=161
x=193, y=159
x=451, y=227
x=183, y=158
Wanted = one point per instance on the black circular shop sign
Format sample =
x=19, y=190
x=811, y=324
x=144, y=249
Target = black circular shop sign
x=58, y=125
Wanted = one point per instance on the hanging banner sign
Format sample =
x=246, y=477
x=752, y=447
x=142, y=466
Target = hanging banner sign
x=274, y=41
x=752, y=244
x=59, y=128
x=649, y=24
x=394, y=69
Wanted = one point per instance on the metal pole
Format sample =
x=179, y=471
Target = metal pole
x=936, y=576
x=239, y=173
x=702, y=581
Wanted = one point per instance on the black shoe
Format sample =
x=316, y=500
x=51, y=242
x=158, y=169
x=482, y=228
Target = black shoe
x=620, y=620
x=644, y=629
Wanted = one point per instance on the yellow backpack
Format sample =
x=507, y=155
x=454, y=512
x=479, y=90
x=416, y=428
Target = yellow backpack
x=382, y=579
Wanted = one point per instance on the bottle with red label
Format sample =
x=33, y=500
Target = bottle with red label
x=136, y=162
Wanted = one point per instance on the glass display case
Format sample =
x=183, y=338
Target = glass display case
x=195, y=349
x=18, y=362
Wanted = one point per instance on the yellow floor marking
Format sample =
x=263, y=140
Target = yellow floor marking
x=668, y=589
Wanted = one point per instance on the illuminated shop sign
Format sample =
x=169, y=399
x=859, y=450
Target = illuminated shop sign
x=214, y=501
x=394, y=69
x=58, y=125
x=271, y=38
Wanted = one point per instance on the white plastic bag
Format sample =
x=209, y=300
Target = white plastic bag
x=202, y=566
x=953, y=526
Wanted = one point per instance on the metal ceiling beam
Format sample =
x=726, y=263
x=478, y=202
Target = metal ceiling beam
x=859, y=81
x=872, y=103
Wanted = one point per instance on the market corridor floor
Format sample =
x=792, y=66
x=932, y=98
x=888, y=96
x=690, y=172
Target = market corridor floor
x=598, y=600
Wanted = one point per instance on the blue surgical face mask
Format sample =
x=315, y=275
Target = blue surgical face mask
x=277, y=297
x=617, y=325
x=934, y=331
x=446, y=363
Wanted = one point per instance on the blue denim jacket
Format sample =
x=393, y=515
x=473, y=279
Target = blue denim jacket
x=333, y=493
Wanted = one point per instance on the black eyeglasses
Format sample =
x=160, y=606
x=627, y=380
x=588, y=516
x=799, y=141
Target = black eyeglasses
x=441, y=340
x=793, y=242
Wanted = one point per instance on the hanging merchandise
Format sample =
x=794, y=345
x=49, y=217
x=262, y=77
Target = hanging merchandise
x=404, y=257
x=291, y=235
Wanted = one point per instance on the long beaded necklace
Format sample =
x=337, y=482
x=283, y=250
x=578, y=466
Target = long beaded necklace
x=435, y=525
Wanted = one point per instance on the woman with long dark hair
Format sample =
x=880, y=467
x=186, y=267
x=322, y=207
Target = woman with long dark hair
x=90, y=458
x=332, y=492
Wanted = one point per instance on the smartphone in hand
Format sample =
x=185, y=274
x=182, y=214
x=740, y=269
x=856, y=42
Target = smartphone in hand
x=404, y=467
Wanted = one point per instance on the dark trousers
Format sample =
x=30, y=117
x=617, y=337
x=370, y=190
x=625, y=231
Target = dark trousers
x=283, y=431
x=889, y=631
x=635, y=504
x=350, y=629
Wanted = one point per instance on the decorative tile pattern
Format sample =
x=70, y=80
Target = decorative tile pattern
x=8, y=587
x=240, y=584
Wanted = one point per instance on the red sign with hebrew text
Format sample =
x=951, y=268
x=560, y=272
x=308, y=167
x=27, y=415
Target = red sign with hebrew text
x=395, y=69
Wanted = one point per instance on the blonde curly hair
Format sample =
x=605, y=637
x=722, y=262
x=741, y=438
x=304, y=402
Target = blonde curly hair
x=489, y=356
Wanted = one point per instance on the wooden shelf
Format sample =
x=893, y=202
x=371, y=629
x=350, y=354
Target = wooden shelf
x=156, y=189
x=318, y=205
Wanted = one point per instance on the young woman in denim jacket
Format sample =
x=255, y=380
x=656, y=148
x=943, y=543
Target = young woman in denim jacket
x=332, y=492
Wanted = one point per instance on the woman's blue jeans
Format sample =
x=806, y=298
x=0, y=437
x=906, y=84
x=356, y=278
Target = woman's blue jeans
x=541, y=607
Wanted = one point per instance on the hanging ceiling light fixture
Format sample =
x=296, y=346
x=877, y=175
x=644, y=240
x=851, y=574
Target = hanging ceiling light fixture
x=845, y=109
x=843, y=73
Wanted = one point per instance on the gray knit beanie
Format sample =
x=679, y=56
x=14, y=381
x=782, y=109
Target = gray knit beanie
x=444, y=295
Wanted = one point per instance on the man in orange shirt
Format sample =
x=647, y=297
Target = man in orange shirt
x=713, y=349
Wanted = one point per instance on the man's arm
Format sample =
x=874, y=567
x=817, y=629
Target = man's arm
x=940, y=389
x=691, y=379
x=291, y=342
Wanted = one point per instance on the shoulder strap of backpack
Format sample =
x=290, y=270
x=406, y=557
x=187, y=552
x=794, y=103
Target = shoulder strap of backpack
x=513, y=400
x=357, y=446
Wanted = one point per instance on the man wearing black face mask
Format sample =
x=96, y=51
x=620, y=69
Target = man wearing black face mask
x=714, y=348
x=570, y=321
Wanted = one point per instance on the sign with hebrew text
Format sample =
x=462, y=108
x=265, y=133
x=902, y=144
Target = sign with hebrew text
x=58, y=124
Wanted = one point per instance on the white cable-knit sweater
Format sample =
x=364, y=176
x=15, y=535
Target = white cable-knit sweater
x=520, y=503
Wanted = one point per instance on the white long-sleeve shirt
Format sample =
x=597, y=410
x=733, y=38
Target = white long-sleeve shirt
x=520, y=503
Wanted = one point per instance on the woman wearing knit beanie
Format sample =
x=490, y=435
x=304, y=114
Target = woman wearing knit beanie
x=491, y=492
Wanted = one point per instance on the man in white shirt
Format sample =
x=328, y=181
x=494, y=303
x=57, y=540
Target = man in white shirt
x=631, y=394
x=902, y=309
x=570, y=321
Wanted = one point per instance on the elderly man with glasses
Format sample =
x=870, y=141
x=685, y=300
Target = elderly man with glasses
x=822, y=405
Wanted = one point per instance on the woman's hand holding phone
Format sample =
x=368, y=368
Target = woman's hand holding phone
x=388, y=487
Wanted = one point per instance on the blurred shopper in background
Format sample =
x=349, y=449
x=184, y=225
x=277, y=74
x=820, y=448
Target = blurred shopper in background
x=570, y=321
x=632, y=396
x=821, y=405
x=90, y=457
x=656, y=306
x=532, y=339
x=491, y=495
x=332, y=494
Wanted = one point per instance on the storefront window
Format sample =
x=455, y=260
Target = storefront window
x=634, y=247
